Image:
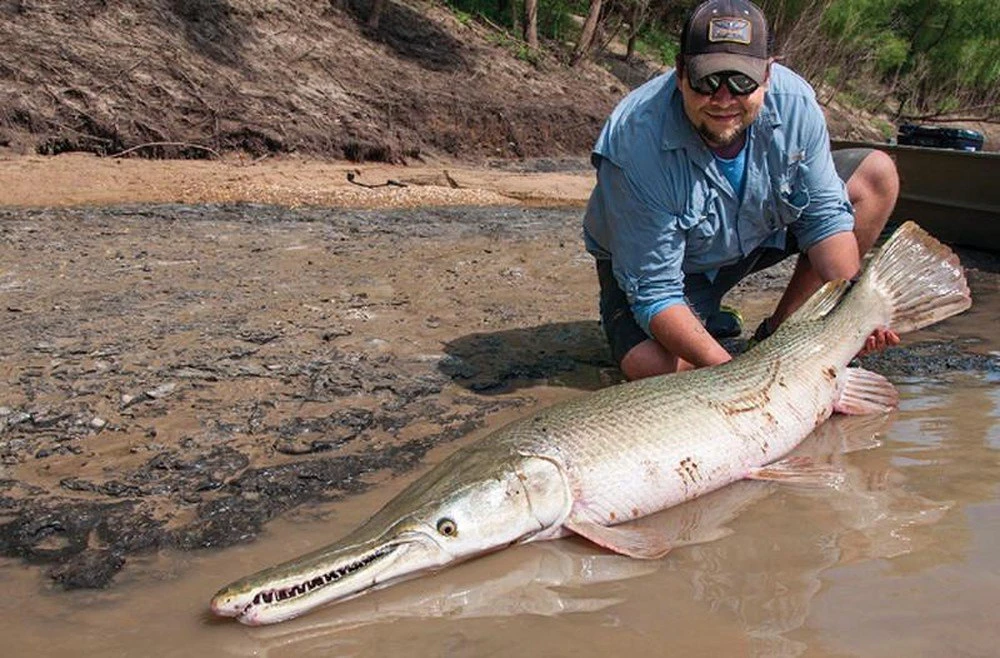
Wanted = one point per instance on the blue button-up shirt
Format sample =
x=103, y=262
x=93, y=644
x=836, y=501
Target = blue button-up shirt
x=662, y=208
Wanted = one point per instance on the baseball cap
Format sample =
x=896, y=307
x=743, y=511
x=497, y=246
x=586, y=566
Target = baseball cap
x=725, y=35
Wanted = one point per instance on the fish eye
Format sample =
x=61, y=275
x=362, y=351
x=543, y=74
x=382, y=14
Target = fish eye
x=447, y=527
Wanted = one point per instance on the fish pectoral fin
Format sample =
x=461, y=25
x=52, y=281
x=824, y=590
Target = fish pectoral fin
x=638, y=542
x=799, y=470
x=865, y=392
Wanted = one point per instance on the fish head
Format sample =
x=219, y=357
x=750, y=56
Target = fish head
x=462, y=508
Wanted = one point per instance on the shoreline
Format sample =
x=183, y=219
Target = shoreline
x=83, y=179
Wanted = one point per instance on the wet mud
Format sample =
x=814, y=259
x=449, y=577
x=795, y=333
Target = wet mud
x=178, y=376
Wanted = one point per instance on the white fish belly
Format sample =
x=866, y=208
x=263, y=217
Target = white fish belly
x=658, y=446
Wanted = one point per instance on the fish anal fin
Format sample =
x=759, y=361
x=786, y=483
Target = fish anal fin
x=865, y=392
x=799, y=470
x=633, y=541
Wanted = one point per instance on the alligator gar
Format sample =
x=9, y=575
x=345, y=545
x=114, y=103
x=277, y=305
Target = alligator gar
x=589, y=465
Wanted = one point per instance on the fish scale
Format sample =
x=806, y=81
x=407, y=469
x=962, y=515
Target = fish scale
x=588, y=465
x=660, y=420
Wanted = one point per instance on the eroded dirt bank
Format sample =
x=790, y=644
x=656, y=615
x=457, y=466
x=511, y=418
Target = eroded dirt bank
x=196, y=79
x=179, y=374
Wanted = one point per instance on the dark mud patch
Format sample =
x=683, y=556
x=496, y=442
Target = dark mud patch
x=87, y=526
x=501, y=361
x=932, y=358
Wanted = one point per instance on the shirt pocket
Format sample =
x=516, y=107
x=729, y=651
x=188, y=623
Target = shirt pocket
x=700, y=222
x=792, y=196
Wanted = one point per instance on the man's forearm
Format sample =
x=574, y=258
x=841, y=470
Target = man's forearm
x=680, y=332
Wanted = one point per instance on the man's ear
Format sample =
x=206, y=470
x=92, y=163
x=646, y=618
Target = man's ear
x=770, y=61
x=767, y=72
x=679, y=64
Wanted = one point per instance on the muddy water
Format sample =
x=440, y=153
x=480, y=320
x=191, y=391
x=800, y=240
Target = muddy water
x=900, y=560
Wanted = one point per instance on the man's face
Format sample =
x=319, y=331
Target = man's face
x=722, y=118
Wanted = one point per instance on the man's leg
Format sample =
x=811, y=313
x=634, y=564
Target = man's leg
x=648, y=359
x=872, y=188
x=636, y=353
x=633, y=350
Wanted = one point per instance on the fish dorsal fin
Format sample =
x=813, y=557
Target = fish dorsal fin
x=821, y=302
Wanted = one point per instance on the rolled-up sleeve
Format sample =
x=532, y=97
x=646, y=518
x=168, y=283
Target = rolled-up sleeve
x=829, y=211
x=646, y=243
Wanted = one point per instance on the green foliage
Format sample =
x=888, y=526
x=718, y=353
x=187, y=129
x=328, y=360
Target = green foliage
x=831, y=74
x=857, y=21
x=887, y=130
x=934, y=51
x=949, y=104
x=489, y=9
x=891, y=52
x=529, y=55
x=658, y=43
x=554, y=19
x=517, y=48
x=553, y=15
x=928, y=55
x=464, y=18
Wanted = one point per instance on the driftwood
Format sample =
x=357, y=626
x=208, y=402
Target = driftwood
x=182, y=144
x=390, y=182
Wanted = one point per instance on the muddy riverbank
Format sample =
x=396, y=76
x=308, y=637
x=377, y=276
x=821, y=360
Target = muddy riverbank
x=179, y=375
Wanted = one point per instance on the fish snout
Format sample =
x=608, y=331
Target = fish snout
x=226, y=604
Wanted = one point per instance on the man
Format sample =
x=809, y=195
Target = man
x=717, y=169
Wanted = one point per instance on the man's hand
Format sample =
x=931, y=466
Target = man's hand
x=879, y=340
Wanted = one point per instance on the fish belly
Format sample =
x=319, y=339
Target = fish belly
x=647, y=455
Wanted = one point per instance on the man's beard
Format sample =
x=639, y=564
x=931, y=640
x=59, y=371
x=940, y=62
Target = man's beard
x=723, y=139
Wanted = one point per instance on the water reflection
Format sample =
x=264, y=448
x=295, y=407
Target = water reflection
x=545, y=579
x=870, y=516
x=946, y=438
x=531, y=586
x=899, y=560
x=942, y=598
x=763, y=583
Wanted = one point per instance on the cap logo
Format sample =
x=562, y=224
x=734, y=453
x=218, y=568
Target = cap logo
x=732, y=30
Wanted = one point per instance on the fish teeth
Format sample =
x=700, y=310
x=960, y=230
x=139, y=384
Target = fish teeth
x=306, y=586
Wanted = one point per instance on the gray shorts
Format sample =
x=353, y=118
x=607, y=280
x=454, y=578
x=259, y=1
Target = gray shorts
x=702, y=295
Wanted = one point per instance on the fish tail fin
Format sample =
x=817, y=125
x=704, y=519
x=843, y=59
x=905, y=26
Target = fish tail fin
x=919, y=278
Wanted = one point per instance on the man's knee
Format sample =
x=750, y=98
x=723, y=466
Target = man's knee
x=873, y=189
x=875, y=180
x=648, y=359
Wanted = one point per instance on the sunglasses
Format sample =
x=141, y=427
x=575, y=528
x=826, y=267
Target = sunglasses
x=739, y=84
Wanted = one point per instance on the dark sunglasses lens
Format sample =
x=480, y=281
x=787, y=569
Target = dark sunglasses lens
x=707, y=85
x=741, y=84
x=738, y=83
